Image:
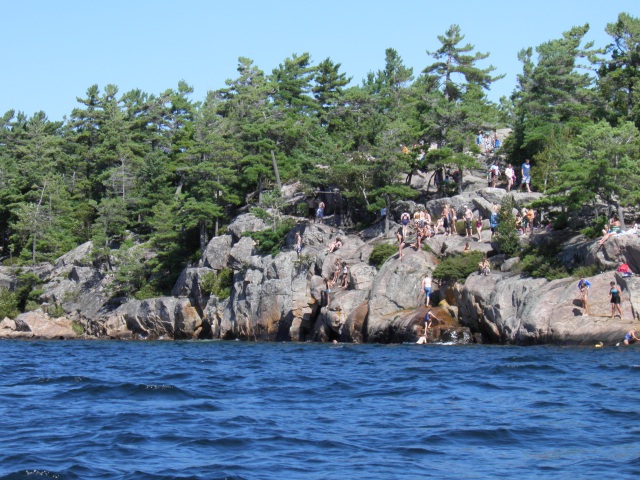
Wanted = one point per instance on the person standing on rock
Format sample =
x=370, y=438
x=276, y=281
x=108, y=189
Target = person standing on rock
x=468, y=221
x=453, y=220
x=614, y=294
x=493, y=223
x=584, y=286
x=479, y=227
x=298, y=245
x=511, y=175
x=320, y=212
x=526, y=175
x=494, y=171
x=426, y=286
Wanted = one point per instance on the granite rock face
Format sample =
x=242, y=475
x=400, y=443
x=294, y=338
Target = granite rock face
x=37, y=325
x=514, y=309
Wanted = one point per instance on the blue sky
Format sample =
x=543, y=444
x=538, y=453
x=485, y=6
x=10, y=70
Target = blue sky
x=52, y=51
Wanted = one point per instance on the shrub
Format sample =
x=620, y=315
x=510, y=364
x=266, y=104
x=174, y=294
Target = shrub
x=218, y=283
x=543, y=267
x=541, y=261
x=458, y=267
x=507, y=240
x=77, y=328
x=595, y=229
x=8, y=304
x=585, y=271
x=271, y=241
x=381, y=253
x=147, y=291
x=56, y=311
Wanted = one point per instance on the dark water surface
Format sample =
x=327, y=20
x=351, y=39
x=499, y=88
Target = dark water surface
x=205, y=410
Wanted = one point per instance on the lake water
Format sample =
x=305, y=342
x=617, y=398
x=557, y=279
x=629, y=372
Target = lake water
x=213, y=410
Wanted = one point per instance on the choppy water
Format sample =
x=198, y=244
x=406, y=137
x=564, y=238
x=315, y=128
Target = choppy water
x=206, y=410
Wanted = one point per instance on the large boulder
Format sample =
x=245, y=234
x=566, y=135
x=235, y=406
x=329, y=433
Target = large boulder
x=79, y=256
x=397, y=287
x=246, y=223
x=161, y=318
x=216, y=254
x=189, y=284
x=37, y=324
x=522, y=310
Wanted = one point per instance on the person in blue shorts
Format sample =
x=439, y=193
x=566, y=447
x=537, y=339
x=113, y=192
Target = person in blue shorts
x=526, y=175
x=320, y=212
x=428, y=320
x=630, y=337
x=584, y=286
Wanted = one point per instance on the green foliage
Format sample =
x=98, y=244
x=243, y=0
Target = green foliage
x=271, y=241
x=148, y=290
x=595, y=229
x=585, y=271
x=507, y=241
x=26, y=290
x=8, y=303
x=77, y=328
x=458, y=267
x=130, y=273
x=174, y=170
x=540, y=261
x=56, y=311
x=31, y=306
x=218, y=283
x=381, y=253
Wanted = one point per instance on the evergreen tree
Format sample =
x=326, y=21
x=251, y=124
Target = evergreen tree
x=619, y=75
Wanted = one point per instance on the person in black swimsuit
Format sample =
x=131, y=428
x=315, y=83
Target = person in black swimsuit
x=614, y=293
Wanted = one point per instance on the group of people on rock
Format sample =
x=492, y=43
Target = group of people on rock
x=487, y=142
x=614, y=228
x=494, y=175
x=422, y=227
x=615, y=299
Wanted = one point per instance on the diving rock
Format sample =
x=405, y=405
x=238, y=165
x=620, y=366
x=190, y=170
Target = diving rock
x=514, y=309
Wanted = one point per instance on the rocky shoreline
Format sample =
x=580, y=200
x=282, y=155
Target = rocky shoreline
x=283, y=298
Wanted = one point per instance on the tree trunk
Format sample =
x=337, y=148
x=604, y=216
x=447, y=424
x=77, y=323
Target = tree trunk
x=35, y=224
x=203, y=237
x=386, y=217
x=621, y=216
x=275, y=170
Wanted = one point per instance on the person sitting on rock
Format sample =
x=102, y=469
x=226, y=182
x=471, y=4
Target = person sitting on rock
x=421, y=232
x=345, y=276
x=630, y=337
x=613, y=228
x=484, y=267
x=335, y=245
x=467, y=248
